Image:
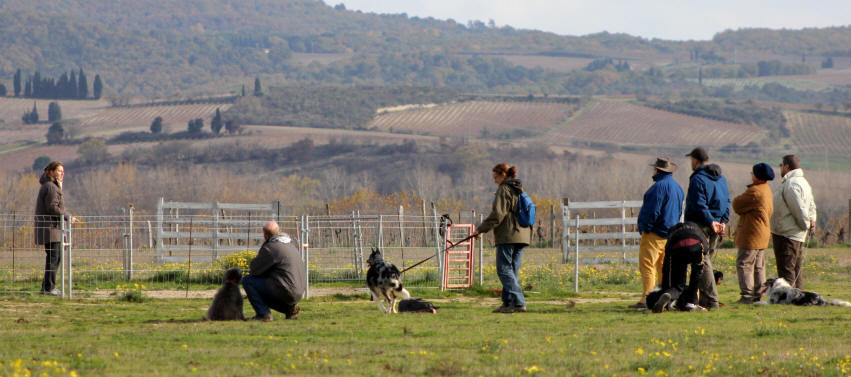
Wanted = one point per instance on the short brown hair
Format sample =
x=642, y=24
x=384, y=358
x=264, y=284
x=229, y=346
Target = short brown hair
x=53, y=165
x=792, y=161
x=503, y=168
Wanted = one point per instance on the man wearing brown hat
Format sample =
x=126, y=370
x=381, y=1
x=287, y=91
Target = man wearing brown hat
x=707, y=205
x=661, y=209
x=754, y=208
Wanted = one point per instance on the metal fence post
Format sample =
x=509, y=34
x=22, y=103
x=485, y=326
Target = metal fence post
x=437, y=244
x=565, y=231
x=623, y=231
x=402, y=234
x=62, y=254
x=124, y=237
x=130, y=249
x=552, y=226
x=576, y=255
x=481, y=251
x=380, y=231
x=307, y=255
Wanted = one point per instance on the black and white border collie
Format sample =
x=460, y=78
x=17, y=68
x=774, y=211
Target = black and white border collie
x=384, y=282
x=780, y=292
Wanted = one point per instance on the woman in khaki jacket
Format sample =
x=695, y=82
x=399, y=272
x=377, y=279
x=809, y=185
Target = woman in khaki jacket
x=754, y=208
x=511, y=238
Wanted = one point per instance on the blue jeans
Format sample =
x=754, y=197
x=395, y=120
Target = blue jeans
x=258, y=294
x=508, y=258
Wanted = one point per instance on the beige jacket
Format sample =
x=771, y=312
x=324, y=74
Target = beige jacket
x=794, y=207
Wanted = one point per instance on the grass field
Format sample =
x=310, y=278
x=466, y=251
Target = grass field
x=346, y=335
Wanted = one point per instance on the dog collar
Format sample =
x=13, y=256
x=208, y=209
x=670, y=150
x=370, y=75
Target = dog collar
x=231, y=281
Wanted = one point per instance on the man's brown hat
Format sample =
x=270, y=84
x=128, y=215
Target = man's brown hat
x=665, y=165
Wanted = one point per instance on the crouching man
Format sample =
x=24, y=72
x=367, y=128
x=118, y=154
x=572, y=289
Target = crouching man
x=686, y=247
x=277, y=276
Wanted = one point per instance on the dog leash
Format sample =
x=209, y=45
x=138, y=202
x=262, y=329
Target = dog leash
x=451, y=245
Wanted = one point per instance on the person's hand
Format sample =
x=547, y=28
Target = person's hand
x=476, y=235
x=718, y=228
x=74, y=220
x=812, y=224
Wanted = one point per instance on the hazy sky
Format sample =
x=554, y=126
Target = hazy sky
x=670, y=19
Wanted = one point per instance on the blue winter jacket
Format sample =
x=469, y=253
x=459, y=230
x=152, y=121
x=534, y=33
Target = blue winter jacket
x=662, y=206
x=708, y=199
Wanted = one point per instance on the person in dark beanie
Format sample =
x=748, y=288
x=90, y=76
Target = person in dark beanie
x=794, y=216
x=707, y=205
x=49, y=212
x=754, y=207
x=661, y=209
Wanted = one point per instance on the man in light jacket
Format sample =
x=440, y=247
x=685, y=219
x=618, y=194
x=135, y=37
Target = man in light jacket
x=754, y=207
x=794, y=215
x=661, y=209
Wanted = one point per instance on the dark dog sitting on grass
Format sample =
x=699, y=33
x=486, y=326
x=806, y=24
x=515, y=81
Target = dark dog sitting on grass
x=227, y=303
x=416, y=305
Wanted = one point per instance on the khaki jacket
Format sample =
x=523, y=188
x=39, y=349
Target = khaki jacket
x=754, y=207
x=794, y=207
x=502, y=218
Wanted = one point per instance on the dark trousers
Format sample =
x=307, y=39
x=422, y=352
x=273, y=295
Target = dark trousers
x=262, y=299
x=790, y=257
x=674, y=271
x=52, y=258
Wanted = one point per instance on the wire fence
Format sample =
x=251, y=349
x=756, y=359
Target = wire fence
x=189, y=248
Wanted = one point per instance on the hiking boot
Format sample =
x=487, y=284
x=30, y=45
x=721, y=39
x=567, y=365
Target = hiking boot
x=504, y=309
x=745, y=300
x=54, y=292
x=520, y=309
x=662, y=303
x=639, y=306
x=263, y=318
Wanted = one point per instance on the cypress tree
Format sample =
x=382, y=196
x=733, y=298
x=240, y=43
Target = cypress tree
x=54, y=112
x=55, y=134
x=17, y=82
x=82, y=86
x=157, y=125
x=216, y=123
x=72, y=85
x=34, y=114
x=243, y=90
x=2, y=90
x=28, y=91
x=258, y=91
x=97, y=87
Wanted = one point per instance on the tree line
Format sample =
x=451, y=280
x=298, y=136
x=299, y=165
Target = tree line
x=73, y=85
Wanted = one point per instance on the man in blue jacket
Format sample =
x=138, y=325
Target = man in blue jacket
x=707, y=205
x=661, y=209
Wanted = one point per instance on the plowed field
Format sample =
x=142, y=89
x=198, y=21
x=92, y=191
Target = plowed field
x=819, y=133
x=623, y=123
x=469, y=119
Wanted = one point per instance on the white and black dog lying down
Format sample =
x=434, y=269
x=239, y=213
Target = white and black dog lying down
x=780, y=292
x=227, y=303
x=384, y=282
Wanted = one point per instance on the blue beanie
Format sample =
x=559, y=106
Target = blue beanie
x=763, y=172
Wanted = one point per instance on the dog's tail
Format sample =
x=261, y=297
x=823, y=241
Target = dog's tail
x=835, y=302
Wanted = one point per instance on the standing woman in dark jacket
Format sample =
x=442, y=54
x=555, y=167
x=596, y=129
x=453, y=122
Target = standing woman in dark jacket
x=48, y=229
x=510, y=237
